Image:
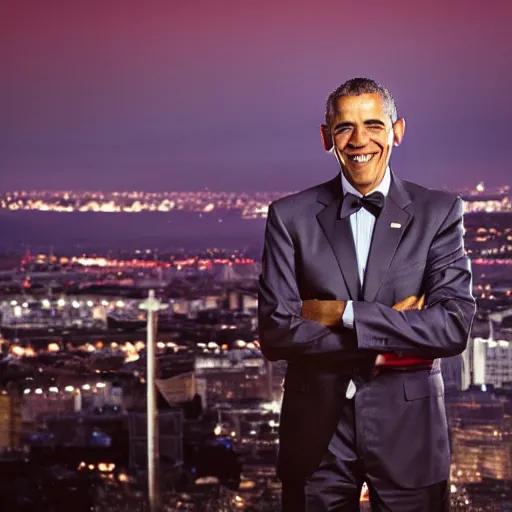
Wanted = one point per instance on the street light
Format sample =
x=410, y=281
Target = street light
x=152, y=305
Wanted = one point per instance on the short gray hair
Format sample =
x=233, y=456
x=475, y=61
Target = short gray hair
x=356, y=87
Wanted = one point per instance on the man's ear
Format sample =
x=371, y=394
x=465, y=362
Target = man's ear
x=326, y=137
x=398, y=131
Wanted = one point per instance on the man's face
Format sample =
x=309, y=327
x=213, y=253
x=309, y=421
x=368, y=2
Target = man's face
x=363, y=135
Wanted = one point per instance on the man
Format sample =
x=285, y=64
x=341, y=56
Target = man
x=365, y=284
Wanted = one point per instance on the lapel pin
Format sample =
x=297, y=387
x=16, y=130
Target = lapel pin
x=396, y=225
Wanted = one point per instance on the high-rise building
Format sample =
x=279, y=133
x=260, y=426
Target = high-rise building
x=492, y=362
x=10, y=421
x=481, y=437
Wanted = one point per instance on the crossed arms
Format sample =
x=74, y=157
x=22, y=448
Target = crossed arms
x=291, y=329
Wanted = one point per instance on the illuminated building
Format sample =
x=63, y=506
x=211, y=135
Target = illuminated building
x=10, y=421
x=231, y=376
x=481, y=437
x=492, y=356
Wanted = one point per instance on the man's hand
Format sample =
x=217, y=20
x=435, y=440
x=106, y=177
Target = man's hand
x=409, y=303
x=327, y=312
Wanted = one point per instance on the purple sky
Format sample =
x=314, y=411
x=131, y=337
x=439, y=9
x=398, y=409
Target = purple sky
x=181, y=95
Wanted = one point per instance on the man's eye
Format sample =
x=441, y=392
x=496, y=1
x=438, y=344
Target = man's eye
x=375, y=127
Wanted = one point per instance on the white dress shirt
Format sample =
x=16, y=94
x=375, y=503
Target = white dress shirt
x=362, y=223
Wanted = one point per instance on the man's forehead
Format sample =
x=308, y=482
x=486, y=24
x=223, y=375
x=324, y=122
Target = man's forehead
x=361, y=105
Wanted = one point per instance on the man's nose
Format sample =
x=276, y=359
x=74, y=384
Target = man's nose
x=359, y=138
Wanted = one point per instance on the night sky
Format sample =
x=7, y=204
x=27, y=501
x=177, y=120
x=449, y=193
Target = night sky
x=182, y=95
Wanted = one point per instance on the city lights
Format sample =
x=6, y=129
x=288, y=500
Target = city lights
x=106, y=467
x=248, y=204
x=90, y=362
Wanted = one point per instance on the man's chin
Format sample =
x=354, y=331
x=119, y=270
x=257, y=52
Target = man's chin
x=361, y=177
x=365, y=184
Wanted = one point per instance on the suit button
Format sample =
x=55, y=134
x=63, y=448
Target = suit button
x=356, y=369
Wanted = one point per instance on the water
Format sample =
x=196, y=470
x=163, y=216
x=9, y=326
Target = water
x=99, y=232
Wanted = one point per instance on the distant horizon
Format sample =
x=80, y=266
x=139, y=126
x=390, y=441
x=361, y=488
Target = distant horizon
x=216, y=191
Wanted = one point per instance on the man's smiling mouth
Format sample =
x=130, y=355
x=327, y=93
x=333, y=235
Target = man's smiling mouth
x=361, y=159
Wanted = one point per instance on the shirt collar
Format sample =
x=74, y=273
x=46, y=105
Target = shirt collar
x=382, y=187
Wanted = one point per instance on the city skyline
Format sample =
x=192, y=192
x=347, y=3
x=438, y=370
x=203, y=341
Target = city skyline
x=230, y=96
x=249, y=205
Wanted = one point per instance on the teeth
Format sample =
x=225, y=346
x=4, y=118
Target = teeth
x=361, y=158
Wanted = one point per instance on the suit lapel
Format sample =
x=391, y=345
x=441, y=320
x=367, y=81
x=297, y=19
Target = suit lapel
x=339, y=234
x=388, y=231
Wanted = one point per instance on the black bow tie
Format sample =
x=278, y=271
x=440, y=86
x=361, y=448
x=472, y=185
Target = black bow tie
x=352, y=204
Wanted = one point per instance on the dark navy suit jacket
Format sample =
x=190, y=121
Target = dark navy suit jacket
x=417, y=248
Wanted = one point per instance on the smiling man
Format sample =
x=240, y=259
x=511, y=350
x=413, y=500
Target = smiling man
x=365, y=285
x=361, y=130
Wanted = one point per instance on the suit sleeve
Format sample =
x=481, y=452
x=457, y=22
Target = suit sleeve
x=442, y=328
x=284, y=334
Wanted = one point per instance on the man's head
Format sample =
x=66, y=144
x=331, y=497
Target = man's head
x=361, y=127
